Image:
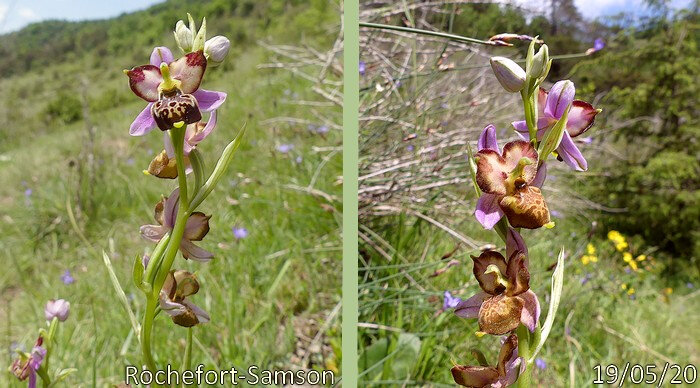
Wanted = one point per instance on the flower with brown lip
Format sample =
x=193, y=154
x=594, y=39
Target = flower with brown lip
x=486, y=376
x=506, y=300
x=179, y=285
x=196, y=228
x=508, y=181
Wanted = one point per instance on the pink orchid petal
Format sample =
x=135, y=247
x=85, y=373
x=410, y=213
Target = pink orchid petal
x=168, y=145
x=197, y=226
x=530, y=314
x=170, y=209
x=160, y=55
x=189, y=70
x=143, y=123
x=153, y=232
x=171, y=308
x=581, y=117
x=193, y=252
x=488, y=139
x=514, y=243
x=144, y=81
x=209, y=100
x=513, y=369
x=198, y=137
x=202, y=315
x=469, y=308
x=540, y=176
x=543, y=124
x=570, y=154
x=488, y=213
x=559, y=98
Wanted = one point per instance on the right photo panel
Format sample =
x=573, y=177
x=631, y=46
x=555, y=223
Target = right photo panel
x=528, y=187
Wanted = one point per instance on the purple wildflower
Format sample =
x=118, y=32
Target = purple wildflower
x=298, y=160
x=28, y=192
x=240, y=232
x=586, y=278
x=410, y=148
x=66, y=278
x=362, y=67
x=690, y=285
x=450, y=301
x=540, y=363
x=322, y=129
x=285, y=148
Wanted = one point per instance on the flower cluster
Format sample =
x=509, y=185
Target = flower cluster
x=177, y=105
x=621, y=245
x=27, y=366
x=510, y=181
x=590, y=256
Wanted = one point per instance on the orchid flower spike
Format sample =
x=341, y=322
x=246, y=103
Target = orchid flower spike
x=506, y=300
x=504, y=374
x=177, y=287
x=171, y=88
x=196, y=228
x=551, y=105
x=509, y=180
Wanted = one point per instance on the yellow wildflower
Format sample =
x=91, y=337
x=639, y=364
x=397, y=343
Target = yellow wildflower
x=585, y=259
x=614, y=235
x=641, y=257
x=633, y=265
x=624, y=286
x=631, y=291
x=590, y=249
x=627, y=257
x=594, y=259
x=621, y=246
x=668, y=290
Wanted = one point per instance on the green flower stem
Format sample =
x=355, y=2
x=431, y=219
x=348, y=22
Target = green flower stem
x=171, y=248
x=525, y=378
x=528, y=104
x=187, y=358
x=48, y=344
x=454, y=37
x=156, y=259
x=146, y=330
x=45, y=379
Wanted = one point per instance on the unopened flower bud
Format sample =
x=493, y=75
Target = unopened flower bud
x=57, y=308
x=509, y=74
x=539, y=63
x=216, y=49
x=184, y=37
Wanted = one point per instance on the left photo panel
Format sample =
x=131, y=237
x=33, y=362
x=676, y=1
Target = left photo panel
x=171, y=202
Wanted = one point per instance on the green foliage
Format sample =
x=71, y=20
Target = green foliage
x=650, y=80
x=65, y=108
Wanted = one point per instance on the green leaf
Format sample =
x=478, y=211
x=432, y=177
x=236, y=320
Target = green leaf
x=557, y=286
x=219, y=170
x=553, y=137
x=373, y=357
x=137, y=272
x=120, y=292
x=407, y=352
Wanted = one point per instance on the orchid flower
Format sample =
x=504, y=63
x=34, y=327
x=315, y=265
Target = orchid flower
x=551, y=106
x=26, y=365
x=506, y=299
x=179, y=285
x=171, y=88
x=196, y=228
x=504, y=374
x=510, y=183
x=57, y=308
x=194, y=134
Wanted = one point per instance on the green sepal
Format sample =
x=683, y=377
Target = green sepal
x=221, y=167
x=479, y=356
x=553, y=137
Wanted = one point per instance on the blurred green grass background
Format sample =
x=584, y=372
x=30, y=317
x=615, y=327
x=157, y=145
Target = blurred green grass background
x=269, y=294
x=423, y=100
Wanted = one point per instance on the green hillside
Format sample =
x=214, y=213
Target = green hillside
x=65, y=150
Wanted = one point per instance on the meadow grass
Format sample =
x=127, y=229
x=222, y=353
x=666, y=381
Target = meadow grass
x=269, y=294
x=598, y=322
